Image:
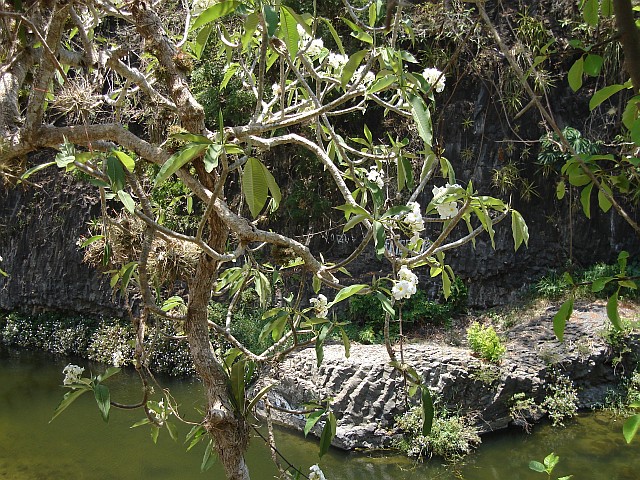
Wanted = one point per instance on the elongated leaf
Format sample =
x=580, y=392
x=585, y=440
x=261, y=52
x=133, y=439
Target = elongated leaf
x=126, y=160
x=201, y=40
x=575, y=74
x=115, y=172
x=351, y=66
x=103, y=399
x=630, y=427
x=428, y=411
x=382, y=83
x=254, y=185
x=347, y=292
x=328, y=432
x=274, y=189
x=612, y=310
x=585, y=199
x=379, y=238
x=351, y=209
x=353, y=221
x=271, y=18
x=604, y=93
x=386, y=304
x=211, y=156
x=215, y=12
x=519, y=229
x=35, y=169
x=334, y=34
x=289, y=31
x=209, y=457
x=537, y=466
x=312, y=419
x=603, y=201
x=127, y=201
x=590, y=12
x=320, y=344
x=109, y=372
x=599, y=284
x=178, y=160
x=346, y=342
x=67, y=400
x=237, y=384
x=91, y=240
x=560, y=319
x=422, y=116
x=258, y=396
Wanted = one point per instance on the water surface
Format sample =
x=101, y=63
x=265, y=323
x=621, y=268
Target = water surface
x=79, y=445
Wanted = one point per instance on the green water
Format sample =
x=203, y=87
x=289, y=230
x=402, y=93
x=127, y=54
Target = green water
x=79, y=445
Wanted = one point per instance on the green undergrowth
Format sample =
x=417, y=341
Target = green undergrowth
x=452, y=435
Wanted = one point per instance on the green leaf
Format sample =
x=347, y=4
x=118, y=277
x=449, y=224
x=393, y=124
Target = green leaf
x=126, y=160
x=115, y=172
x=237, y=384
x=385, y=303
x=258, y=396
x=405, y=173
x=381, y=83
x=519, y=229
x=289, y=31
x=35, y=169
x=328, y=432
x=575, y=74
x=599, y=283
x=91, y=240
x=561, y=190
x=173, y=431
x=211, y=157
x=201, y=40
x=550, y=462
x=635, y=131
x=560, y=319
x=109, y=372
x=215, y=12
x=334, y=34
x=155, y=431
x=178, y=160
x=320, y=344
x=271, y=18
x=347, y=292
x=351, y=209
x=585, y=199
x=127, y=201
x=593, y=65
x=351, y=66
x=428, y=411
x=274, y=189
x=590, y=12
x=103, y=399
x=346, y=342
x=353, y=221
x=67, y=400
x=209, y=457
x=312, y=419
x=422, y=116
x=537, y=466
x=612, y=310
x=127, y=271
x=603, y=201
x=379, y=238
x=254, y=185
x=604, y=93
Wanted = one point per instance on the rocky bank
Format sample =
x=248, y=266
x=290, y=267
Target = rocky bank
x=368, y=393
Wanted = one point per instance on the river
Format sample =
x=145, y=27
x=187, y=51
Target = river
x=79, y=445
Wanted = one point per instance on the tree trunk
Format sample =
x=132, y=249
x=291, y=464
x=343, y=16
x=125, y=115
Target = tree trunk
x=229, y=430
x=629, y=39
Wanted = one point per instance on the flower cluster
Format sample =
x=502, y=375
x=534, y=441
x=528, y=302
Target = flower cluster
x=446, y=210
x=367, y=78
x=320, y=305
x=315, y=473
x=376, y=176
x=311, y=46
x=406, y=285
x=414, y=220
x=117, y=358
x=72, y=374
x=337, y=61
x=435, y=78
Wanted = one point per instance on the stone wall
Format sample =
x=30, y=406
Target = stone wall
x=368, y=393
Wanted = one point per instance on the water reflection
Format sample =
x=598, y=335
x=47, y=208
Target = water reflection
x=79, y=445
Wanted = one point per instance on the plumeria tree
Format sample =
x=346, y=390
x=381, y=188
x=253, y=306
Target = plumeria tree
x=86, y=77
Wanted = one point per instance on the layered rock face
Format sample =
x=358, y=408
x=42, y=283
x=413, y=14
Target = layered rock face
x=368, y=393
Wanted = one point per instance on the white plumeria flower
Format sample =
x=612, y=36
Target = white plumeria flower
x=315, y=473
x=376, y=176
x=406, y=285
x=72, y=374
x=315, y=47
x=276, y=89
x=320, y=304
x=367, y=78
x=414, y=219
x=400, y=290
x=435, y=78
x=447, y=210
x=337, y=61
x=408, y=275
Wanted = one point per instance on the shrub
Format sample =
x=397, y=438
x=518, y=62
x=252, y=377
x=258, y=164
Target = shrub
x=484, y=342
x=561, y=401
x=451, y=437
